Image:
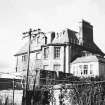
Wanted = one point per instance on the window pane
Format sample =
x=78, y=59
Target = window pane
x=46, y=52
x=85, y=69
x=24, y=58
x=80, y=67
x=56, y=52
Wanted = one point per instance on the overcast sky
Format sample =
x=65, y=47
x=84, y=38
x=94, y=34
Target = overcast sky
x=17, y=16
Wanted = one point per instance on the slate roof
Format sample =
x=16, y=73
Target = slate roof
x=93, y=47
x=72, y=38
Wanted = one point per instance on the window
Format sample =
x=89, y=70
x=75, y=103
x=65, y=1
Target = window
x=57, y=67
x=46, y=53
x=91, y=68
x=24, y=58
x=38, y=56
x=45, y=40
x=80, y=67
x=74, y=70
x=56, y=52
x=38, y=39
x=45, y=67
x=85, y=69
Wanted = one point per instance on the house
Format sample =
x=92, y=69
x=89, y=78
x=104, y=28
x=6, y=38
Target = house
x=62, y=51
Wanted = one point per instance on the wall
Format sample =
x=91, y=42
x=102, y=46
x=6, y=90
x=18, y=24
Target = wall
x=36, y=47
x=102, y=69
x=7, y=95
x=50, y=61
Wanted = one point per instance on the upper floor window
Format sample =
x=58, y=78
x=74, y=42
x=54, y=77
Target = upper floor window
x=85, y=69
x=24, y=58
x=38, y=56
x=46, y=51
x=57, y=52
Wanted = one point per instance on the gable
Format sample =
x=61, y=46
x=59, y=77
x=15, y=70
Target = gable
x=36, y=44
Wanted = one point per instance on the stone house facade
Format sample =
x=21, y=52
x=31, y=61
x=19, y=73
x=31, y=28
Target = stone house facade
x=57, y=51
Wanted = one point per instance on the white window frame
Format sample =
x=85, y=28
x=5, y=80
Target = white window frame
x=24, y=58
x=57, y=52
x=46, y=52
x=85, y=69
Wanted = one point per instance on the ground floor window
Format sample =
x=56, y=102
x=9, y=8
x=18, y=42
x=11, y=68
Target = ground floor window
x=91, y=68
x=56, y=67
x=45, y=67
x=85, y=69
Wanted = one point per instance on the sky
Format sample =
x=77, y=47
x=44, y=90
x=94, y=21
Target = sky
x=18, y=16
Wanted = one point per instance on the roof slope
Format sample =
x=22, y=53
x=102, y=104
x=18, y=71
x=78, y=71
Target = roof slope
x=24, y=49
x=93, y=48
x=66, y=36
x=86, y=59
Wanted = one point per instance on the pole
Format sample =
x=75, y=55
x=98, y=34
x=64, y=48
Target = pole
x=34, y=87
x=13, y=90
x=28, y=61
